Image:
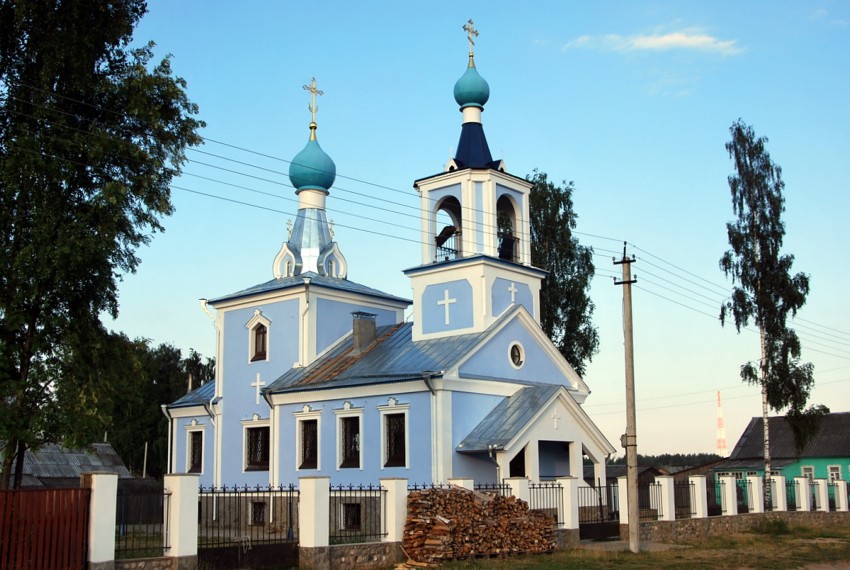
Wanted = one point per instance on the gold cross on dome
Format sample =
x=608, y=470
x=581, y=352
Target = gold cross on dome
x=471, y=33
x=313, y=92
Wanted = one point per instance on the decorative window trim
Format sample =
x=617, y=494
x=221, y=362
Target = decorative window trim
x=306, y=414
x=810, y=469
x=393, y=407
x=254, y=423
x=829, y=472
x=259, y=319
x=193, y=428
x=348, y=411
x=516, y=355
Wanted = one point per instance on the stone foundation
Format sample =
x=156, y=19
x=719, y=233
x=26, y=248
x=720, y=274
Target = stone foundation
x=685, y=530
x=566, y=538
x=162, y=563
x=367, y=555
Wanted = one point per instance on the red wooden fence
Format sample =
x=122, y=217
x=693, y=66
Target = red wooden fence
x=44, y=529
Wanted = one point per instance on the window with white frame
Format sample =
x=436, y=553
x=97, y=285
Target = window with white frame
x=834, y=472
x=808, y=471
x=195, y=450
x=349, y=429
x=308, y=428
x=394, y=434
x=258, y=337
x=256, y=444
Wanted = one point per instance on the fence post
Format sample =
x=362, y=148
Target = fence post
x=668, y=497
x=729, y=495
x=779, y=493
x=841, y=496
x=104, y=500
x=396, y=511
x=182, y=516
x=700, y=508
x=804, y=494
x=468, y=484
x=519, y=488
x=569, y=501
x=755, y=484
x=623, y=488
x=822, y=495
x=314, y=511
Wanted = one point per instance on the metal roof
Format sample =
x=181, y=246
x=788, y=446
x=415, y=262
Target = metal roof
x=52, y=461
x=506, y=420
x=394, y=357
x=316, y=280
x=832, y=439
x=197, y=397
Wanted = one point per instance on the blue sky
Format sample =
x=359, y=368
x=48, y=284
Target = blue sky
x=630, y=100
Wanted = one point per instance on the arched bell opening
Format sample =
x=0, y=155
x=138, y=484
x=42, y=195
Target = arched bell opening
x=447, y=239
x=506, y=229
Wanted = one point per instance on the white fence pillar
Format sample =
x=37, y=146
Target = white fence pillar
x=623, y=488
x=729, y=495
x=821, y=495
x=778, y=493
x=465, y=483
x=841, y=496
x=755, y=493
x=314, y=511
x=700, y=498
x=569, y=505
x=519, y=488
x=803, y=493
x=396, y=508
x=182, y=512
x=668, y=497
x=104, y=499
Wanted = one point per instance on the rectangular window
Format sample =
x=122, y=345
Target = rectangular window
x=257, y=449
x=350, y=441
x=260, y=339
x=196, y=452
x=309, y=444
x=351, y=516
x=258, y=512
x=396, y=453
x=808, y=471
x=834, y=472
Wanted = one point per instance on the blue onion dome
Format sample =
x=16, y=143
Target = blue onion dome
x=471, y=90
x=312, y=168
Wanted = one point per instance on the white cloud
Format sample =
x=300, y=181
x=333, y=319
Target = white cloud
x=688, y=39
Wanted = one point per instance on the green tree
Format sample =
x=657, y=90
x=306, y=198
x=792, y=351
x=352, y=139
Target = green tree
x=91, y=134
x=566, y=310
x=764, y=289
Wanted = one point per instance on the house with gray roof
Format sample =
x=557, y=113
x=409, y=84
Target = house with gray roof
x=826, y=455
x=319, y=376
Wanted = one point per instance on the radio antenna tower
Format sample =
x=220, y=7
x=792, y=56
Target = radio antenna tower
x=722, y=450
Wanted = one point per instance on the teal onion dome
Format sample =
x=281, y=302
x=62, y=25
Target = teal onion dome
x=471, y=90
x=312, y=168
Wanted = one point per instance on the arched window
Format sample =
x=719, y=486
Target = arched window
x=261, y=335
x=506, y=224
x=449, y=225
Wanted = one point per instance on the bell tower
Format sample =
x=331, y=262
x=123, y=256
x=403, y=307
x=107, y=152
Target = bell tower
x=475, y=231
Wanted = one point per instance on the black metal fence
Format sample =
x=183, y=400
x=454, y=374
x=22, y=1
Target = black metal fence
x=496, y=489
x=141, y=522
x=427, y=486
x=685, y=499
x=791, y=494
x=547, y=497
x=357, y=514
x=243, y=516
x=744, y=495
x=649, y=502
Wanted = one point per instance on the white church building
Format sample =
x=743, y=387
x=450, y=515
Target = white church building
x=317, y=375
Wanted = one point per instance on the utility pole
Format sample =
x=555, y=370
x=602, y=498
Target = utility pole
x=629, y=439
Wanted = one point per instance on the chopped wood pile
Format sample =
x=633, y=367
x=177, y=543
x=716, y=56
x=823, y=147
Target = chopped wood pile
x=446, y=524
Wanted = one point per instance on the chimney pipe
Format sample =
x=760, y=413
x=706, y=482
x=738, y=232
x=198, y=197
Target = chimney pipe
x=364, y=330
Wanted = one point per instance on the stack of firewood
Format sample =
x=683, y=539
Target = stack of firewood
x=446, y=524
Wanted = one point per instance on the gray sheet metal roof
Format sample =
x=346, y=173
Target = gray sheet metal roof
x=393, y=358
x=832, y=439
x=52, y=461
x=316, y=280
x=506, y=420
x=197, y=397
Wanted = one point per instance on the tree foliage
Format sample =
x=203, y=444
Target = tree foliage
x=765, y=291
x=91, y=134
x=566, y=310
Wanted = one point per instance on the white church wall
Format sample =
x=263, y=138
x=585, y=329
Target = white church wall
x=334, y=320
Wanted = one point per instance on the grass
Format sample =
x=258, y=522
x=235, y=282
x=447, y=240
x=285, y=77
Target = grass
x=794, y=547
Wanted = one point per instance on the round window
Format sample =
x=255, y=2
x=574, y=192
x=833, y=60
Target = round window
x=517, y=356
